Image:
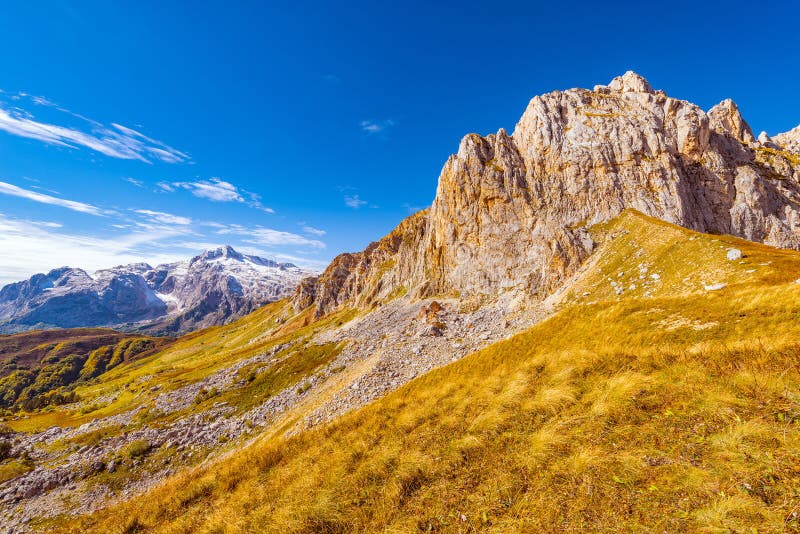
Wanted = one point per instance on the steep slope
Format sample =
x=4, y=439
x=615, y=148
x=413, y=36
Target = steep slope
x=511, y=212
x=212, y=288
x=675, y=411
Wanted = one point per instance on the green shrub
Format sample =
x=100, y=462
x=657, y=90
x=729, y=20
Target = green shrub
x=204, y=394
x=5, y=449
x=97, y=362
x=137, y=449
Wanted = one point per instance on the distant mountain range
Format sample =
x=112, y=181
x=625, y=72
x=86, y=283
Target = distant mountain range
x=210, y=289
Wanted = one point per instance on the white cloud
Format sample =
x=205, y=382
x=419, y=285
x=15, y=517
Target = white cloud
x=354, y=201
x=115, y=141
x=269, y=237
x=218, y=190
x=266, y=236
x=13, y=190
x=134, y=181
x=31, y=248
x=42, y=101
x=371, y=127
x=47, y=224
x=166, y=186
x=412, y=209
x=166, y=218
x=314, y=231
x=214, y=189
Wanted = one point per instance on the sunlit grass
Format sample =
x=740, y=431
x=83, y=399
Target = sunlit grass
x=611, y=416
x=191, y=358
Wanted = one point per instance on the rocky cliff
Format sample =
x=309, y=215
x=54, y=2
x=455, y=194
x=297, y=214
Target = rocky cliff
x=511, y=211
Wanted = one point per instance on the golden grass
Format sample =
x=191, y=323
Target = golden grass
x=13, y=468
x=540, y=432
x=606, y=417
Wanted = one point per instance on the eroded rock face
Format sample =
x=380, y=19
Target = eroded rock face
x=370, y=276
x=789, y=140
x=510, y=211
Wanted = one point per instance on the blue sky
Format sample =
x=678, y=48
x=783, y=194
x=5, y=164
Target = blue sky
x=151, y=130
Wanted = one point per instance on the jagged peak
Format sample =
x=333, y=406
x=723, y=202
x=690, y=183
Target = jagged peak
x=225, y=251
x=512, y=212
x=725, y=117
x=631, y=82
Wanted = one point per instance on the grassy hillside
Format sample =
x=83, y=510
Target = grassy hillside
x=187, y=360
x=41, y=368
x=672, y=410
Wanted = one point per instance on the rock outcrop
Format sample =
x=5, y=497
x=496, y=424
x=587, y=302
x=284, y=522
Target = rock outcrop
x=511, y=211
x=789, y=140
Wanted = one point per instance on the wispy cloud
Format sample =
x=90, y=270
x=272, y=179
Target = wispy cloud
x=412, y=209
x=166, y=218
x=217, y=190
x=28, y=240
x=134, y=181
x=313, y=231
x=255, y=202
x=166, y=186
x=115, y=140
x=371, y=127
x=47, y=224
x=267, y=236
x=213, y=189
x=353, y=201
x=13, y=190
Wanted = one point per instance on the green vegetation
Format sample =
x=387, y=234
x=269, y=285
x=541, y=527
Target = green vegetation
x=173, y=364
x=672, y=412
x=35, y=375
x=136, y=449
x=14, y=468
x=293, y=365
x=767, y=152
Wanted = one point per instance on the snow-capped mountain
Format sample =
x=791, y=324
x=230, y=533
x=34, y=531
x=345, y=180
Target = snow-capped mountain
x=213, y=288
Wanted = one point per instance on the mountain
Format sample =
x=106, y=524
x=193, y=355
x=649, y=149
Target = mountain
x=593, y=327
x=667, y=412
x=211, y=288
x=511, y=212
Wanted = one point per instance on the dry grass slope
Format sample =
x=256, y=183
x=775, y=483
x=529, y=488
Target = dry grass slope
x=675, y=412
x=187, y=360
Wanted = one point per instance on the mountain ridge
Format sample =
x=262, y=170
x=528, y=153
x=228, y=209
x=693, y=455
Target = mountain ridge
x=511, y=211
x=210, y=288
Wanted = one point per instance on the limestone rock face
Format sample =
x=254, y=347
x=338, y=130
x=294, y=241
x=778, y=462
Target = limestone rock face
x=789, y=140
x=367, y=277
x=511, y=211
